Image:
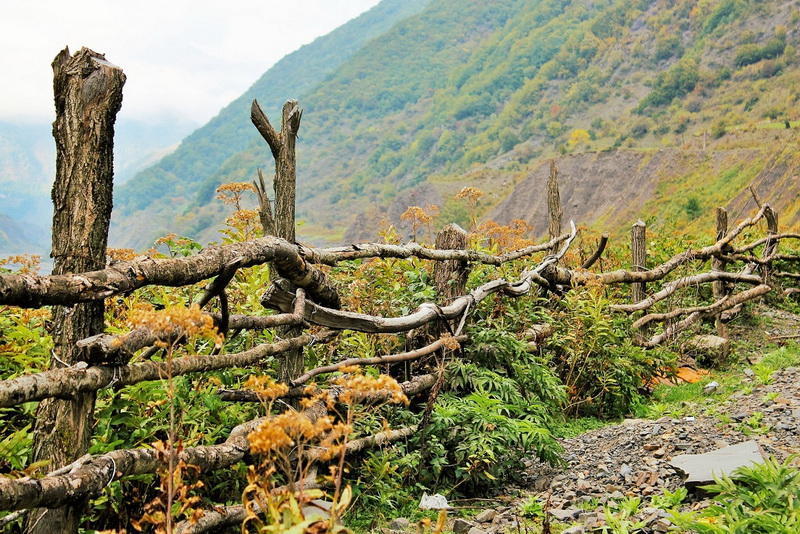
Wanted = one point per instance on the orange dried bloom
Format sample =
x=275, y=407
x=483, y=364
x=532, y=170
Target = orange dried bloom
x=266, y=387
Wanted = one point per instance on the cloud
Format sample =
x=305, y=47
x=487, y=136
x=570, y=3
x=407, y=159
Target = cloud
x=182, y=58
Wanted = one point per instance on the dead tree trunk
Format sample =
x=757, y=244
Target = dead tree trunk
x=553, y=205
x=88, y=95
x=638, y=258
x=450, y=277
x=719, y=287
x=282, y=146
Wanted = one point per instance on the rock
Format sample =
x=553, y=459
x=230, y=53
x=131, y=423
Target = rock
x=486, y=516
x=659, y=453
x=651, y=447
x=701, y=468
x=400, y=524
x=662, y=525
x=749, y=373
x=476, y=530
x=434, y=502
x=568, y=514
x=625, y=470
x=738, y=417
x=574, y=530
x=584, y=486
x=709, y=348
x=462, y=526
x=711, y=387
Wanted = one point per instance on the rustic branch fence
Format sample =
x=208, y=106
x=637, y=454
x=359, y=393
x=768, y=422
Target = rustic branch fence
x=305, y=299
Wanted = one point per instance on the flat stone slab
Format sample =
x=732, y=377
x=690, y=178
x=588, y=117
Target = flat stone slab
x=702, y=468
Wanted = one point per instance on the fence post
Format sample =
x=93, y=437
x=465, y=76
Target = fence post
x=450, y=277
x=719, y=287
x=772, y=229
x=88, y=95
x=282, y=146
x=553, y=205
x=638, y=258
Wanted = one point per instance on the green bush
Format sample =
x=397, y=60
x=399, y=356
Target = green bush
x=603, y=371
x=759, y=499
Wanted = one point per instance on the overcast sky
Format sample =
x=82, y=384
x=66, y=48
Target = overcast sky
x=184, y=58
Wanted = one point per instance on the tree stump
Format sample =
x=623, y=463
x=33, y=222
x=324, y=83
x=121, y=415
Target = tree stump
x=88, y=95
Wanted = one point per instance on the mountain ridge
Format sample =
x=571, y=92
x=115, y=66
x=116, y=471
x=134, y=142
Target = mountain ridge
x=463, y=88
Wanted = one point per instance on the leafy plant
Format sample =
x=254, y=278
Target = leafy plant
x=759, y=499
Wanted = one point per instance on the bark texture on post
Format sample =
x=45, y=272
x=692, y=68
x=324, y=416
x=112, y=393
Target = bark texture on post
x=772, y=244
x=553, y=205
x=638, y=258
x=450, y=277
x=282, y=146
x=719, y=288
x=88, y=95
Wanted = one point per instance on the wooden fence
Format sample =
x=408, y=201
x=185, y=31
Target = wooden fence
x=301, y=294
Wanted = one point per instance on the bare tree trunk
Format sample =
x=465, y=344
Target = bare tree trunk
x=553, y=205
x=450, y=277
x=719, y=288
x=88, y=95
x=638, y=258
x=282, y=145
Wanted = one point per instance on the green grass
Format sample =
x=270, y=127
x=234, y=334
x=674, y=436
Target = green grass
x=690, y=399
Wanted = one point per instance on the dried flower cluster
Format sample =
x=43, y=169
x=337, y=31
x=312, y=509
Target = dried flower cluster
x=471, y=195
x=506, y=237
x=231, y=193
x=120, y=254
x=175, y=320
x=25, y=263
x=357, y=386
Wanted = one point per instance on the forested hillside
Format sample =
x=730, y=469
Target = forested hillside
x=189, y=176
x=475, y=93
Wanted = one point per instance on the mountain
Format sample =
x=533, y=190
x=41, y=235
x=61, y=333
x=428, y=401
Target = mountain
x=687, y=98
x=189, y=176
x=27, y=168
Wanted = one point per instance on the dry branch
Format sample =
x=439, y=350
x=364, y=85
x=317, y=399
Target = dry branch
x=29, y=290
x=64, y=383
x=332, y=256
x=393, y=358
x=127, y=344
x=566, y=277
x=727, y=303
x=93, y=475
x=279, y=299
x=416, y=385
x=234, y=515
x=601, y=247
x=693, y=280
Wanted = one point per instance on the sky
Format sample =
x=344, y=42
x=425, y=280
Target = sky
x=184, y=59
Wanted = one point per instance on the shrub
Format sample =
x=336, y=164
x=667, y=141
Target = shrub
x=759, y=499
x=596, y=359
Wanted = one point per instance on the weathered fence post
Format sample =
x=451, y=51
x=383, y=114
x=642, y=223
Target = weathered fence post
x=88, y=95
x=638, y=258
x=719, y=287
x=772, y=229
x=553, y=205
x=282, y=146
x=450, y=277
